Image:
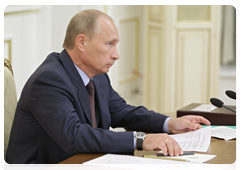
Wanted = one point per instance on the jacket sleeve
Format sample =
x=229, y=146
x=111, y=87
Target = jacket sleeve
x=131, y=117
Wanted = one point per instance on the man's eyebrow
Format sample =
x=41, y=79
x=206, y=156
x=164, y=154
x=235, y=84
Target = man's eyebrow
x=115, y=40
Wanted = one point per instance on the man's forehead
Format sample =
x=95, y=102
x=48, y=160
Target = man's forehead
x=105, y=23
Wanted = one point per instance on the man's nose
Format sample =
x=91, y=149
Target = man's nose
x=115, y=55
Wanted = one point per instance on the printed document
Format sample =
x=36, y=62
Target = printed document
x=140, y=163
x=198, y=140
x=224, y=132
x=204, y=108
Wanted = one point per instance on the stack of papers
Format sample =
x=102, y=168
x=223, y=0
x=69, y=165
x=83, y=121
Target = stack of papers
x=134, y=162
x=204, y=108
x=198, y=140
x=224, y=132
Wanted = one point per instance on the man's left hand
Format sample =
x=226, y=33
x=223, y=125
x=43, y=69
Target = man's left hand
x=186, y=124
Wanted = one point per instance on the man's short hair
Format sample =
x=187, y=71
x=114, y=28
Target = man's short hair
x=84, y=22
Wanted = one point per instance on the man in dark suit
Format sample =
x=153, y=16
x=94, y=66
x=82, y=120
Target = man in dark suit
x=55, y=116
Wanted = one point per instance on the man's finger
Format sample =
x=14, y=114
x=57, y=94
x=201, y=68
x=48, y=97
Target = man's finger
x=201, y=119
x=170, y=147
x=190, y=125
x=164, y=148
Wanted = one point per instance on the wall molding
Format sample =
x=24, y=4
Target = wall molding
x=21, y=9
x=155, y=13
x=8, y=46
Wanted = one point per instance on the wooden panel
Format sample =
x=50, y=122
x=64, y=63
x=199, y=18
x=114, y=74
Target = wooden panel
x=192, y=67
x=153, y=69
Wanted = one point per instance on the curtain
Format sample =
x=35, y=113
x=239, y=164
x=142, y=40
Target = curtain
x=228, y=49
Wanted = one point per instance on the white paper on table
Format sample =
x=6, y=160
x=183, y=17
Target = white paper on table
x=198, y=140
x=140, y=163
x=199, y=158
x=224, y=132
x=204, y=108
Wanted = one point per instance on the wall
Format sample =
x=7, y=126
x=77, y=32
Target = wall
x=126, y=75
x=27, y=29
x=227, y=81
x=34, y=32
x=41, y=30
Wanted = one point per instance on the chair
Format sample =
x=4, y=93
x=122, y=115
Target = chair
x=10, y=102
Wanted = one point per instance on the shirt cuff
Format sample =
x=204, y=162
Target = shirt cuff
x=165, y=125
x=165, y=129
x=134, y=140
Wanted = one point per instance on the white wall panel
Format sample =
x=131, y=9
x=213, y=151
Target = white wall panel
x=126, y=74
x=154, y=72
x=128, y=63
x=34, y=31
x=227, y=81
x=192, y=67
x=22, y=27
x=129, y=50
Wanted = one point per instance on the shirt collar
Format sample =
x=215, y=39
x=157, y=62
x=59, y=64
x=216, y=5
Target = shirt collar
x=83, y=75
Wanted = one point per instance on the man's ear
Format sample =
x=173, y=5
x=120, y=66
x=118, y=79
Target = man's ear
x=80, y=42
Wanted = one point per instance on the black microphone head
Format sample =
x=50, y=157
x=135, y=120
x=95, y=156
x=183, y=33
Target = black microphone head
x=216, y=102
x=231, y=94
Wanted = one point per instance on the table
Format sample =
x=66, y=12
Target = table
x=225, y=151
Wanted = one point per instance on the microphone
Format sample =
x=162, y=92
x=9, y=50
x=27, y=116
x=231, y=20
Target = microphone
x=231, y=94
x=218, y=103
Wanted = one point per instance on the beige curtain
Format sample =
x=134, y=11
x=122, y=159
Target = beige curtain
x=228, y=53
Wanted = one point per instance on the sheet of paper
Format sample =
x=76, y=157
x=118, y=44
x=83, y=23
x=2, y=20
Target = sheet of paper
x=224, y=132
x=205, y=108
x=200, y=158
x=198, y=140
x=140, y=163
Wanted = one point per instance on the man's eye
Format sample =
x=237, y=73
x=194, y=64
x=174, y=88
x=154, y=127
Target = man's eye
x=109, y=43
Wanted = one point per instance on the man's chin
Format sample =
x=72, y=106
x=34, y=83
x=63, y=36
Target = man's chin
x=106, y=70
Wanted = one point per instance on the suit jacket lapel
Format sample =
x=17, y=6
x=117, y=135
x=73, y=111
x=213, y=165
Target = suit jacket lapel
x=105, y=118
x=78, y=83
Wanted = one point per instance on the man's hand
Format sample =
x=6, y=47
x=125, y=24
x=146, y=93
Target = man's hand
x=167, y=144
x=162, y=142
x=186, y=124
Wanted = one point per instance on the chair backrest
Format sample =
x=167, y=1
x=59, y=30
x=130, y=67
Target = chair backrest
x=10, y=102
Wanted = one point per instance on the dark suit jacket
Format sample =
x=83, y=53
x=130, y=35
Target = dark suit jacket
x=53, y=117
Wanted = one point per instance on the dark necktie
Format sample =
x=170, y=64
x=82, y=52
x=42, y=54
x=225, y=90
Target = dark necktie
x=90, y=89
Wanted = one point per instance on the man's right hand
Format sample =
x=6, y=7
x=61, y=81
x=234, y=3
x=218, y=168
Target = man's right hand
x=162, y=142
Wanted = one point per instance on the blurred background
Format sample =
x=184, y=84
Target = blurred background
x=170, y=55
